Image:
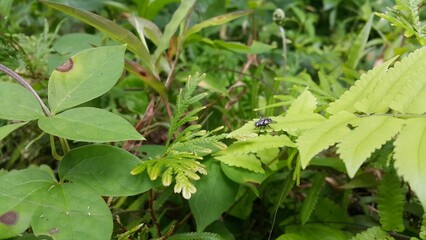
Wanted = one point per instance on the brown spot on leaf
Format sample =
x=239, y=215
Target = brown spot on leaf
x=54, y=230
x=9, y=218
x=66, y=66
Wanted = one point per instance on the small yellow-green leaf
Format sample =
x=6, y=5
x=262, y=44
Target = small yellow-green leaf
x=90, y=125
x=17, y=103
x=85, y=76
x=305, y=103
x=247, y=161
x=323, y=135
x=371, y=133
x=5, y=130
x=410, y=156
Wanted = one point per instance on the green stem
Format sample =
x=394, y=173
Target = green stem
x=284, y=54
x=53, y=147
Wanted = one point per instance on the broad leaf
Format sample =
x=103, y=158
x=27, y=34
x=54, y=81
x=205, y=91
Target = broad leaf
x=215, y=21
x=410, y=156
x=371, y=133
x=111, y=29
x=5, y=130
x=215, y=194
x=178, y=16
x=359, y=90
x=246, y=177
x=17, y=103
x=85, y=76
x=72, y=211
x=20, y=193
x=323, y=135
x=89, y=125
x=105, y=169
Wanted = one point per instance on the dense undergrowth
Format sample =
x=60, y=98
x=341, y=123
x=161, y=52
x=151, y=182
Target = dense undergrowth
x=212, y=119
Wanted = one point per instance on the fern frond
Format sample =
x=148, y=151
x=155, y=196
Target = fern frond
x=405, y=14
x=323, y=135
x=297, y=122
x=196, y=236
x=184, y=100
x=388, y=88
x=410, y=155
x=372, y=233
x=371, y=133
x=329, y=211
x=359, y=90
x=312, y=198
x=200, y=146
x=391, y=203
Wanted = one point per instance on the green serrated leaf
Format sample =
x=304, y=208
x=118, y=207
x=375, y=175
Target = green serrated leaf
x=305, y=103
x=257, y=144
x=215, y=191
x=196, y=236
x=17, y=103
x=246, y=161
x=371, y=133
x=295, y=124
x=105, y=169
x=360, y=90
x=372, y=233
x=312, y=198
x=5, y=130
x=391, y=200
x=410, y=155
x=65, y=207
x=85, y=76
x=387, y=90
x=315, y=231
x=323, y=135
x=90, y=125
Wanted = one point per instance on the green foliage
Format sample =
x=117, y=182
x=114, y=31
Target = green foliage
x=391, y=203
x=196, y=236
x=56, y=209
x=181, y=158
x=372, y=233
x=372, y=131
x=405, y=14
x=312, y=198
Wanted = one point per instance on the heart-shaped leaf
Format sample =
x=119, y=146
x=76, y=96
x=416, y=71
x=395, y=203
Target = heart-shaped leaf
x=72, y=211
x=105, y=169
x=85, y=76
x=89, y=125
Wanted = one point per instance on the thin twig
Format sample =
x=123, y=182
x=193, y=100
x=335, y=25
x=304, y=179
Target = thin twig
x=24, y=83
x=152, y=212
